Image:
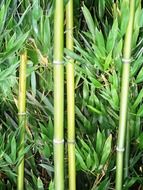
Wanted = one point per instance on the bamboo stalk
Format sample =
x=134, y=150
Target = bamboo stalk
x=58, y=96
x=124, y=97
x=70, y=98
x=127, y=152
x=22, y=117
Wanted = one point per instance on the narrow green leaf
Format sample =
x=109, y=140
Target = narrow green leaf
x=124, y=16
x=112, y=37
x=84, y=145
x=40, y=184
x=95, y=164
x=106, y=151
x=47, y=167
x=33, y=83
x=103, y=185
x=89, y=21
x=99, y=142
x=81, y=161
x=2, y=17
x=8, y=158
x=85, y=90
x=139, y=78
x=51, y=185
x=108, y=61
x=101, y=8
x=94, y=110
x=13, y=149
x=140, y=111
x=89, y=161
x=100, y=42
x=138, y=99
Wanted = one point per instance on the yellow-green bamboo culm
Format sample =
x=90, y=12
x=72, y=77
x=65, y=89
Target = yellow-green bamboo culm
x=124, y=97
x=22, y=117
x=58, y=96
x=70, y=98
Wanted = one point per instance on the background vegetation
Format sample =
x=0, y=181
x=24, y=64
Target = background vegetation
x=99, y=31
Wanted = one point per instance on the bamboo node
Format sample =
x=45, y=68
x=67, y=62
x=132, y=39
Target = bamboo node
x=71, y=141
x=126, y=61
x=58, y=62
x=120, y=149
x=56, y=141
x=22, y=113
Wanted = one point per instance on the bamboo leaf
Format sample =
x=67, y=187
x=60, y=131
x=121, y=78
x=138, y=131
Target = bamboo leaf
x=51, y=185
x=33, y=83
x=130, y=183
x=99, y=142
x=100, y=42
x=81, y=161
x=74, y=55
x=84, y=145
x=103, y=185
x=89, y=21
x=136, y=66
x=124, y=16
x=95, y=82
x=17, y=45
x=40, y=184
x=85, y=90
x=95, y=164
x=46, y=102
x=95, y=110
x=112, y=37
x=2, y=17
x=13, y=149
x=89, y=161
x=106, y=151
x=45, y=151
x=101, y=8
x=139, y=76
x=108, y=61
x=140, y=111
x=8, y=158
x=47, y=167
x=138, y=99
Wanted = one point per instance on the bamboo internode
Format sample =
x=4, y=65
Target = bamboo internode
x=124, y=98
x=22, y=117
x=70, y=98
x=58, y=96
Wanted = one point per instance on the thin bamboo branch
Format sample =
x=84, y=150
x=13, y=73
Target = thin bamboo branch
x=124, y=98
x=58, y=96
x=22, y=117
x=70, y=98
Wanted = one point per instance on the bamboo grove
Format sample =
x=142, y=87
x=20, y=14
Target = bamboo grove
x=71, y=96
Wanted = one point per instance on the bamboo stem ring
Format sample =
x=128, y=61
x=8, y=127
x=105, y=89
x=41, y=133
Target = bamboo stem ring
x=22, y=113
x=126, y=61
x=120, y=149
x=58, y=62
x=71, y=141
x=55, y=141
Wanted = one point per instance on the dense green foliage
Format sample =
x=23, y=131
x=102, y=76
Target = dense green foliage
x=99, y=32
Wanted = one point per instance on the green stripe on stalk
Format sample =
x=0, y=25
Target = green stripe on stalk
x=22, y=117
x=124, y=98
x=127, y=152
x=70, y=98
x=58, y=96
